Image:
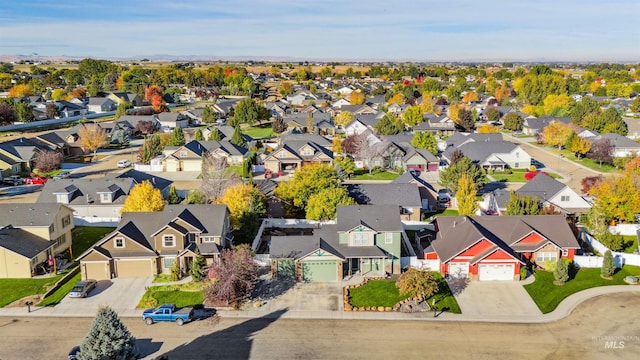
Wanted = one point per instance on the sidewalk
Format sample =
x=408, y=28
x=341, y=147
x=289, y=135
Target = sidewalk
x=563, y=310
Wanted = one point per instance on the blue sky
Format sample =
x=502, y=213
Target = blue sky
x=326, y=29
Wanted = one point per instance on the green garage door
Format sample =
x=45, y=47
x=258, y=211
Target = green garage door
x=320, y=271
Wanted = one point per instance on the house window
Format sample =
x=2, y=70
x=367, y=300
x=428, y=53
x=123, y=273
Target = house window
x=360, y=239
x=282, y=154
x=564, y=198
x=118, y=242
x=60, y=240
x=183, y=154
x=388, y=238
x=207, y=239
x=516, y=165
x=105, y=197
x=168, y=262
x=517, y=155
x=52, y=228
x=546, y=256
x=66, y=221
x=168, y=241
x=62, y=198
x=565, y=252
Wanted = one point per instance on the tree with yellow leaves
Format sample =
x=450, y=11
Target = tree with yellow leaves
x=143, y=197
x=557, y=134
x=466, y=197
x=397, y=99
x=344, y=118
x=92, y=137
x=336, y=145
x=20, y=90
x=427, y=103
x=454, y=111
x=356, y=98
x=245, y=202
x=488, y=129
x=578, y=145
x=470, y=96
x=557, y=105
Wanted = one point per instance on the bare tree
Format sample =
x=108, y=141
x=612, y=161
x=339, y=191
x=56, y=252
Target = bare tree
x=47, y=160
x=216, y=177
x=92, y=138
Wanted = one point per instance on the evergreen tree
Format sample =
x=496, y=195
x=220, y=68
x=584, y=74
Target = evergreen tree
x=173, y=196
x=108, y=338
x=214, y=135
x=151, y=148
x=197, y=266
x=208, y=116
x=177, y=137
x=608, y=266
x=561, y=273
x=523, y=205
x=198, y=135
x=237, y=138
x=176, y=274
x=425, y=140
x=464, y=167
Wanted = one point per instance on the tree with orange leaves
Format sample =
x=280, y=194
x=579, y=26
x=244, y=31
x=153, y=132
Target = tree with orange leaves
x=20, y=90
x=470, y=96
x=356, y=98
x=153, y=94
x=502, y=92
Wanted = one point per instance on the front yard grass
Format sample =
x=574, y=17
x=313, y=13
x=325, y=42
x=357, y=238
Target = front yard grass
x=86, y=236
x=259, y=132
x=630, y=243
x=547, y=295
x=59, y=294
x=385, y=293
x=362, y=174
x=15, y=289
x=185, y=295
x=517, y=175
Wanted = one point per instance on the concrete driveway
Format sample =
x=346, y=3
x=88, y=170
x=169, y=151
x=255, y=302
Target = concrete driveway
x=313, y=296
x=119, y=294
x=495, y=299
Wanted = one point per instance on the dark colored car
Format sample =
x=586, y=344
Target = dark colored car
x=73, y=352
x=82, y=288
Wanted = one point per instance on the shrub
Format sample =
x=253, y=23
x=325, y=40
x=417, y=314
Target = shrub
x=377, y=170
x=608, y=265
x=561, y=273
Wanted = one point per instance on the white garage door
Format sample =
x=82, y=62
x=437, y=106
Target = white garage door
x=496, y=272
x=458, y=269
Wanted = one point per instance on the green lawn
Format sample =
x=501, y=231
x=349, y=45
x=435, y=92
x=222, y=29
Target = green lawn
x=517, y=175
x=14, y=289
x=631, y=243
x=385, y=293
x=162, y=278
x=259, y=132
x=361, y=174
x=547, y=295
x=591, y=164
x=85, y=236
x=182, y=295
x=59, y=294
x=376, y=293
x=235, y=169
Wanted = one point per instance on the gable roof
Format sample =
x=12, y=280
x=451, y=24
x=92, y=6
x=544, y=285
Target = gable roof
x=139, y=176
x=22, y=215
x=23, y=242
x=80, y=188
x=377, y=217
x=406, y=195
x=543, y=186
x=480, y=151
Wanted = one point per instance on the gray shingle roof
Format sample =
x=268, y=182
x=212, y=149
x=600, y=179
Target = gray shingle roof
x=19, y=215
x=377, y=217
x=23, y=242
x=480, y=151
x=542, y=186
x=406, y=195
x=80, y=188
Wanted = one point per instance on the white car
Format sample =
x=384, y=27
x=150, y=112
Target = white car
x=124, y=163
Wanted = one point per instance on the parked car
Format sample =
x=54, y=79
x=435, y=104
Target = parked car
x=82, y=288
x=73, y=353
x=38, y=180
x=124, y=163
x=62, y=174
x=167, y=313
x=13, y=180
x=537, y=163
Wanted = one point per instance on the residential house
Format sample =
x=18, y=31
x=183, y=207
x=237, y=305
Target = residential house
x=622, y=145
x=301, y=98
x=363, y=123
x=92, y=200
x=405, y=196
x=162, y=184
x=172, y=120
x=277, y=109
x=338, y=104
x=551, y=193
x=50, y=221
x=22, y=253
x=496, y=247
x=17, y=156
x=438, y=125
x=145, y=244
x=122, y=97
x=297, y=150
x=320, y=123
x=488, y=151
x=533, y=125
x=189, y=156
x=366, y=239
x=362, y=109
x=344, y=90
x=131, y=121
x=397, y=109
x=225, y=107
x=101, y=104
x=428, y=195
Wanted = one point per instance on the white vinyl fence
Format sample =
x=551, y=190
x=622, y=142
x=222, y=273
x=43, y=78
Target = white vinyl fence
x=618, y=257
